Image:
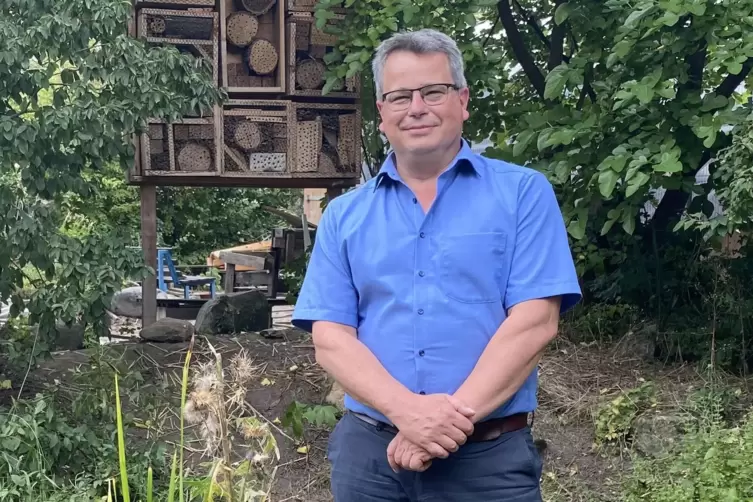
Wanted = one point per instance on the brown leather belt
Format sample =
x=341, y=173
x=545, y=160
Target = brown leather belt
x=482, y=431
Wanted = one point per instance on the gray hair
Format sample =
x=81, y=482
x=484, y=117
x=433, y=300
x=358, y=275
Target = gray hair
x=420, y=42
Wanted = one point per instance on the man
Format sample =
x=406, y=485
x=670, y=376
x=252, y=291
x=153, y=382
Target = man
x=431, y=292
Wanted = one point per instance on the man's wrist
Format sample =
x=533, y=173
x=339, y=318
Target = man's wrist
x=398, y=405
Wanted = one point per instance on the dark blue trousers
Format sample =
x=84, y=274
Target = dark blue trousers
x=506, y=469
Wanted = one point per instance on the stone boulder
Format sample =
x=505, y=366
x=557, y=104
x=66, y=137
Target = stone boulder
x=69, y=337
x=655, y=435
x=127, y=302
x=234, y=313
x=168, y=330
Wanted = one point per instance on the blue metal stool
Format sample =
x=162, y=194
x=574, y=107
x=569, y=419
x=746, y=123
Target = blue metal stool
x=164, y=257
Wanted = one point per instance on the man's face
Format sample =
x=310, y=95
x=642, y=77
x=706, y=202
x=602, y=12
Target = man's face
x=420, y=125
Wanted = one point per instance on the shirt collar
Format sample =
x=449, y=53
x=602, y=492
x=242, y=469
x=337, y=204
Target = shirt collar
x=464, y=156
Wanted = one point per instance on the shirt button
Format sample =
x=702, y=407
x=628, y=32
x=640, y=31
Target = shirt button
x=421, y=273
x=422, y=393
x=415, y=200
x=422, y=235
x=421, y=353
x=420, y=311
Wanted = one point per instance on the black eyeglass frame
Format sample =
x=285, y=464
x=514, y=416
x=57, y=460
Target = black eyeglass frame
x=420, y=89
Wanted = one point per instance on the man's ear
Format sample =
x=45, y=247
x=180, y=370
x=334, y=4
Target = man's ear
x=380, y=105
x=465, y=96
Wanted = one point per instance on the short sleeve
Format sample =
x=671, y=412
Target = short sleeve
x=327, y=293
x=542, y=263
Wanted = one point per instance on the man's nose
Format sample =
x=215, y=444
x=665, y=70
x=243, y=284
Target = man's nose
x=417, y=104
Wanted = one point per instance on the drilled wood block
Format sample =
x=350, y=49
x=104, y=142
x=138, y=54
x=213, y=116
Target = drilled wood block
x=156, y=131
x=307, y=48
x=180, y=131
x=252, y=51
x=308, y=145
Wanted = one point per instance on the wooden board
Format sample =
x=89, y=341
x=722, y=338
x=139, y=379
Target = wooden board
x=175, y=3
x=308, y=6
x=237, y=75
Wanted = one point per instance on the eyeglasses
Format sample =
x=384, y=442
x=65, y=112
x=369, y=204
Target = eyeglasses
x=433, y=95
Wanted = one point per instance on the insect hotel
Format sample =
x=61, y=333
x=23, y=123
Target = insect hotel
x=277, y=129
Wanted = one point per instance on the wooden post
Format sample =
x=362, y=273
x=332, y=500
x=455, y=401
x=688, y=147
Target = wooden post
x=149, y=246
x=229, y=278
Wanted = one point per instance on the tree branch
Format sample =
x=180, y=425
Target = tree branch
x=729, y=84
x=522, y=54
x=491, y=31
x=557, y=45
x=586, y=89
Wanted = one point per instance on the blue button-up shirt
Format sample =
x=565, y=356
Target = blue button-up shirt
x=426, y=292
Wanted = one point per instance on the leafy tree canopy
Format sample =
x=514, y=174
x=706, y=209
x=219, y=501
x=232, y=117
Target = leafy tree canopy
x=74, y=87
x=617, y=101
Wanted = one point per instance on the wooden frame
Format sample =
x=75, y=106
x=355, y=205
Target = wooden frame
x=271, y=27
x=272, y=119
x=206, y=47
x=308, y=6
x=175, y=3
x=161, y=144
x=306, y=49
x=341, y=148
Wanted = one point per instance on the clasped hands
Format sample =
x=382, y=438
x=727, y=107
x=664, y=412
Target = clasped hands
x=433, y=427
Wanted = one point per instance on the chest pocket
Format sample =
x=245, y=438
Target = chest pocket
x=471, y=266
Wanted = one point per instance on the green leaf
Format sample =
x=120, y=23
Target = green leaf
x=555, y=81
x=644, y=93
x=562, y=13
x=668, y=165
x=636, y=16
x=607, y=181
x=628, y=222
x=522, y=142
x=577, y=228
x=636, y=182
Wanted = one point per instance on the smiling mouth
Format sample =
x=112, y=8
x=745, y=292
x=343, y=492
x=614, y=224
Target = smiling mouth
x=418, y=128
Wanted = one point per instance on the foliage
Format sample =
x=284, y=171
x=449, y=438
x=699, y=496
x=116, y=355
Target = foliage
x=711, y=463
x=614, y=417
x=74, y=90
x=733, y=179
x=318, y=415
x=196, y=221
x=613, y=100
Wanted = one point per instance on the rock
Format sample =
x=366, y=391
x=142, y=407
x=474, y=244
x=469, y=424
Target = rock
x=127, y=302
x=69, y=337
x=336, y=396
x=655, y=435
x=234, y=313
x=272, y=333
x=168, y=330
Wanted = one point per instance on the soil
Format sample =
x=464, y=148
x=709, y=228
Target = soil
x=573, y=380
